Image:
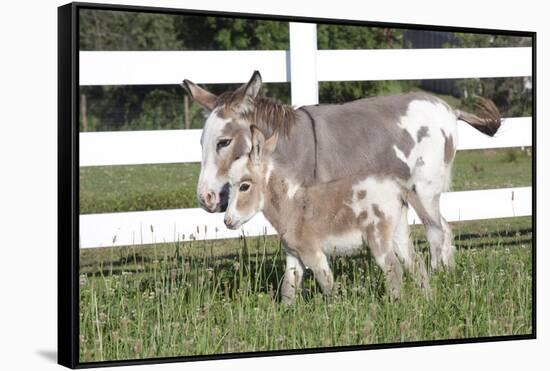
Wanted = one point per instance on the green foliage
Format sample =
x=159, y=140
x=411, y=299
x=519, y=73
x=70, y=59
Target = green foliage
x=473, y=40
x=116, y=30
x=159, y=112
x=134, y=107
x=331, y=36
x=345, y=91
x=218, y=33
x=511, y=95
x=155, y=107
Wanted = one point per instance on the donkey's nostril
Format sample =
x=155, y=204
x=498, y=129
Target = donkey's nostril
x=209, y=201
x=227, y=221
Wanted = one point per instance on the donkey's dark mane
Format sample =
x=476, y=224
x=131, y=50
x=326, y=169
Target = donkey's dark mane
x=274, y=116
x=269, y=115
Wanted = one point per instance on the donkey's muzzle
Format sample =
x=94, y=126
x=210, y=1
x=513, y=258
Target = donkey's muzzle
x=229, y=222
x=214, y=202
x=208, y=201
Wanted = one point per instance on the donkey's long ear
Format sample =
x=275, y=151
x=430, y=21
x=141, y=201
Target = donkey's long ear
x=199, y=95
x=271, y=144
x=258, y=142
x=253, y=86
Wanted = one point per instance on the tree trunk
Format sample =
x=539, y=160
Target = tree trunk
x=83, y=112
x=186, y=111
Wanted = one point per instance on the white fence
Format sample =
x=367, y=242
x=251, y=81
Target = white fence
x=303, y=66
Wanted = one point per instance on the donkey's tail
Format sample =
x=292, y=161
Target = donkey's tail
x=489, y=119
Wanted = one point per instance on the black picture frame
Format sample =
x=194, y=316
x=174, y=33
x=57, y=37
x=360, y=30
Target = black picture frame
x=68, y=184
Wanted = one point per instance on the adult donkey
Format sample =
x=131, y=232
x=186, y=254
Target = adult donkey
x=410, y=138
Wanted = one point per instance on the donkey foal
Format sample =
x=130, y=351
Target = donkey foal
x=333, y=218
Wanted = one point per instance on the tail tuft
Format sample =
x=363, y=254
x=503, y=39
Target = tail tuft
x=489, y=119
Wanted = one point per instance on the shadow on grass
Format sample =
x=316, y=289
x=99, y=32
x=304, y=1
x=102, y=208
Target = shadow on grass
x=261, y=262
x=124, y=259
x=495, y=234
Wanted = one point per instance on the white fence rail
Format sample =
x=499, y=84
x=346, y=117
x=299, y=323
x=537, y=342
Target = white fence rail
x=174, y=146
x=303, y=66
x=171, y=67
x=146, y=227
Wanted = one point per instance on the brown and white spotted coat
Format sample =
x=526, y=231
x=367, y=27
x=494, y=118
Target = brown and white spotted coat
x=408, y=138
x=334, y=218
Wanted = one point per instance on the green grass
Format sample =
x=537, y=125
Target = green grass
x=211, y=297
x=138, y=187
x=153, y=187
x=485, y=169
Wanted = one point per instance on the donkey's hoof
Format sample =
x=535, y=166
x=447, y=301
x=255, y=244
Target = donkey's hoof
x=448, y=259
x=288, y=300
x=395, y=292
x=395, y=296
x=426, y=288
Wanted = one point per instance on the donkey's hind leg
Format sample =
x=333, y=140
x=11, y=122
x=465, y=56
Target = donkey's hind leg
x=404, y=248
x=379, y=233
x=402, y=243
x=426, y=202
x=448, y=252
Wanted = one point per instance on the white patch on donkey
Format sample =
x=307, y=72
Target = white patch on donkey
x=343, y=244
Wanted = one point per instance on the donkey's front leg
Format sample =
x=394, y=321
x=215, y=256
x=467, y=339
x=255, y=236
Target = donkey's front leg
x=317, y=261
x=292, y=279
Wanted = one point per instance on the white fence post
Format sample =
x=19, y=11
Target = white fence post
x=303, y=63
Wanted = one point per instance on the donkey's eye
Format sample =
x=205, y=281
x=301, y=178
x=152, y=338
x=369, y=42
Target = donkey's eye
x=222, y=143
x=244, y=187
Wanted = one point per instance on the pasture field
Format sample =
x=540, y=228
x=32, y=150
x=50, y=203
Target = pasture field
x=211, y=297
x=173, y=186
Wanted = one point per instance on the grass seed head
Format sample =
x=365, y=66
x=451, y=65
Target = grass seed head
x=137, y=348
